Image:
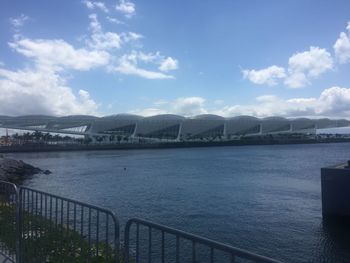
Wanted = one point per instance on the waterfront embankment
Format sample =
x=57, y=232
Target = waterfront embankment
x=41, y=147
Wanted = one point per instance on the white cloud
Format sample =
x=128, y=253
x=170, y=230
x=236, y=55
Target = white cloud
x=297, y=80
x=108, y=40
x=165, y=64
x=114, y=20
x=129, y=67
x=126, y=7
x=129, y=64
x=41, y=88
x=148, y=112
x=185, y=106
x=189, y=106
x=41, y=91
x=160, y=102
x=333, y=102
x=266, y=98
x=304, y=66
x=268, y=76
x=168, y=64
x=342, y=46
x=131, y=36
x=314, y=62
x=102, y=40
x=18, y=22
x=95, y=25
x=59, y=54
x=96, y=5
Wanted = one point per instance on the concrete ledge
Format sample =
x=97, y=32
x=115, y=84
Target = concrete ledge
x=335, y=185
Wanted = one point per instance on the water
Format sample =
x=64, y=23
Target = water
x=262, y=198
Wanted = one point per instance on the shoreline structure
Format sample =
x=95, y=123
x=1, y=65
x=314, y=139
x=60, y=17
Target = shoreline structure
x=37, y=147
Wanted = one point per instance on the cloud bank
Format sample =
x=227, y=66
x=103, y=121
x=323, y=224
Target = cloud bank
x=333, y=102
x=302, y=68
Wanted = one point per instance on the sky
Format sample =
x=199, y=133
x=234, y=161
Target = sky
x=286, y=58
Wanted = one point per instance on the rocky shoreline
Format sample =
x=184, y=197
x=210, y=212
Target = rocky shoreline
x=16, y=170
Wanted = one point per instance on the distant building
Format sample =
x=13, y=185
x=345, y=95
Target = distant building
x=167, y=127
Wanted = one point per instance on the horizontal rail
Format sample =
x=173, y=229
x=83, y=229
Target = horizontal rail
x=101, y=209
x=196, y=239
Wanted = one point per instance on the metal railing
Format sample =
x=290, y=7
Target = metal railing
x=196, y=248
x=40, y=227
x=54, y=227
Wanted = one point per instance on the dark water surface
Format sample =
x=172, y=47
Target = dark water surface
x=265, y=199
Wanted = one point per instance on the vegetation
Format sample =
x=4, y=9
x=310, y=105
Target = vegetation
x=38, y=137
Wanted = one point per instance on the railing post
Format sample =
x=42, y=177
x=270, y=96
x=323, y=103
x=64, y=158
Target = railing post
x=126, y=241
x=116, y=238
x=18, y=226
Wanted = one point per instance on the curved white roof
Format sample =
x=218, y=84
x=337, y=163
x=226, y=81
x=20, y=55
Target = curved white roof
x=275, y=124
x=4, y=117
x=302, y=124
x=274, y=118
x=36, y=117
x=165, y=117
x=123, y=116
x=325, y=123
x=208, y=117
x=78, y=117
x=343, y=123
x=244, y=117
x=204, y=125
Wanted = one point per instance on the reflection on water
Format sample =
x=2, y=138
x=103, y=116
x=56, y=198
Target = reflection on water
x=334, y=245
x=261, y=198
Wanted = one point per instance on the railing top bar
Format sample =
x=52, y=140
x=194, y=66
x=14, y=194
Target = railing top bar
x=100, y=209
x=14, y=187
x=9, y=184
x=205, y=241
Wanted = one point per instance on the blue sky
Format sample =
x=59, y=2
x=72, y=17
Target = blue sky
x=261, y=58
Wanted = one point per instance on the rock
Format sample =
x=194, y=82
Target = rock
x=14, y=171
